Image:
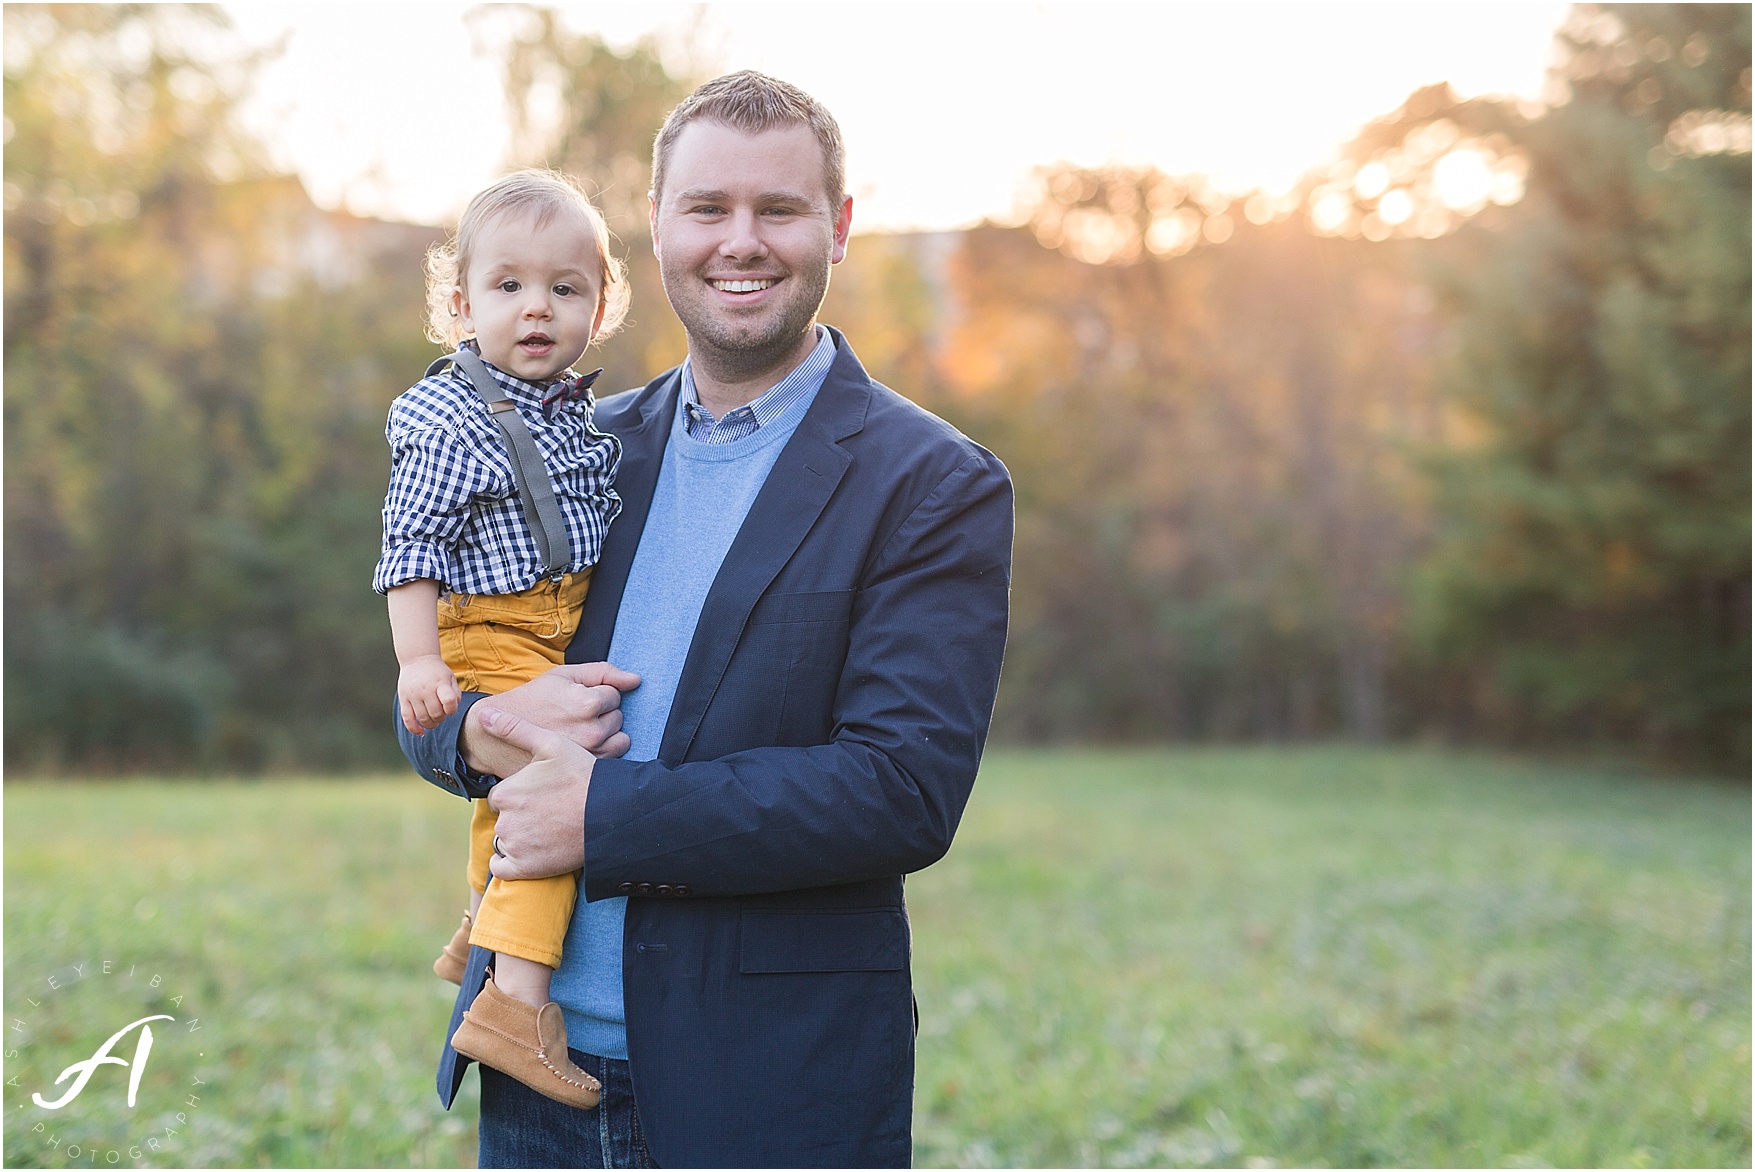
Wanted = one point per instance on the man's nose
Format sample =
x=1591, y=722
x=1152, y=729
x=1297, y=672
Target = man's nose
x=743, y=237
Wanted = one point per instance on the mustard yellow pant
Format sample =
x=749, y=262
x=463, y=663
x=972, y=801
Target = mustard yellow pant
x=494, y=642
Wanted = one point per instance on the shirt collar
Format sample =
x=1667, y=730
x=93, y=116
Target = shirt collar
x=515, y=386
x=773, y=402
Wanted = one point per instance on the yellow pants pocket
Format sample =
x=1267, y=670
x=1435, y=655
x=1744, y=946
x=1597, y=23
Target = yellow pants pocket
x=494, y=642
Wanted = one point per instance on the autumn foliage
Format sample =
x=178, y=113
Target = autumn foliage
x=1451, y=440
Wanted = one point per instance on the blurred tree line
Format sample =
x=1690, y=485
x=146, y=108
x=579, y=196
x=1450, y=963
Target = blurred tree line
x=1452, y=439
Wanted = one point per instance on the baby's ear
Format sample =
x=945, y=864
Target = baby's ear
x=602, y=307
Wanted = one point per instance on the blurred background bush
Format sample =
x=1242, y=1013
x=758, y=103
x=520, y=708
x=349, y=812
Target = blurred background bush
x=1452, y=440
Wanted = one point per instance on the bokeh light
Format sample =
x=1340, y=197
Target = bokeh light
x=1462, y=180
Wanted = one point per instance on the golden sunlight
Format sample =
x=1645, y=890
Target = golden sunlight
x=345, y=101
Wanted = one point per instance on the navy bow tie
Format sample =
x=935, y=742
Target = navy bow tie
x=570, y=390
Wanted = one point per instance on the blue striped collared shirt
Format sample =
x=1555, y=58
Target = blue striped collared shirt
x=765, y=408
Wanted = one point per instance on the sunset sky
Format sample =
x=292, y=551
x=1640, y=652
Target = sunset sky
x=395, y=110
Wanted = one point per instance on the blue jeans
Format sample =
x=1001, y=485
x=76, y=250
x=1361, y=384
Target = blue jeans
x=522, y=1129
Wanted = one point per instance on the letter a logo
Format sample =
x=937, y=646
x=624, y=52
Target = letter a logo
x=102, y=1058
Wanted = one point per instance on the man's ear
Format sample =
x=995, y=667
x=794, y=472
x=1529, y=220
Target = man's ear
x=843, y=228
x=652, y=212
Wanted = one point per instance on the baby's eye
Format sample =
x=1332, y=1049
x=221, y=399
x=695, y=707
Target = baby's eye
x=508, y=286
x=564, y=290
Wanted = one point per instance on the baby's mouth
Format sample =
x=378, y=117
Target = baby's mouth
x=536, y=341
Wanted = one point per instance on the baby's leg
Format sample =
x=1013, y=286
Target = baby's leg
x=525, y=921
x=526, y=980
x=512, y=1024
x=453, y=962
x=481, y=849
x=453, y=621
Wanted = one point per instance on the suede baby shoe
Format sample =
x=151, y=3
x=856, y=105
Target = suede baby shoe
x=527, y=1043
x=455, y=958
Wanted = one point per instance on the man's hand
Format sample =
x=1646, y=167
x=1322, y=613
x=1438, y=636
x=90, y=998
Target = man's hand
x=580, y=701
x=541, y=826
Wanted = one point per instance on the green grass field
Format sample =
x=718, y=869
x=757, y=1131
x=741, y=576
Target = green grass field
x=1225, y=957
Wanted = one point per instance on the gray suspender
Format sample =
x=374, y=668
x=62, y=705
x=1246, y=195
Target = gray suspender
x=536, y=492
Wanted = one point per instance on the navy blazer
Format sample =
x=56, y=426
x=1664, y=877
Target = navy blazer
x=823, y=742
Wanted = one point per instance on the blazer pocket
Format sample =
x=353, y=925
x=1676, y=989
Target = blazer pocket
x=814, y=606
x=823, y=942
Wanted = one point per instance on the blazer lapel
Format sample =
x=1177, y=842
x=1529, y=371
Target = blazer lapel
x=635, y=480
x=803, y=478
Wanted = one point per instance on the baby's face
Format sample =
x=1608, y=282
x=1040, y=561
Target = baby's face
x=533, y=296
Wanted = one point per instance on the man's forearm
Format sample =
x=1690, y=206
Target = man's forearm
x=766, y=820
x=904, y=737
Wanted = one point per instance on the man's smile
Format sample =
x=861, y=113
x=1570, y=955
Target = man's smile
x=743, y=284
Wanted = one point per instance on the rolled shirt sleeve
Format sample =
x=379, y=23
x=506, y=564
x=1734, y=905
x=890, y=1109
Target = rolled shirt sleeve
x=434, y=474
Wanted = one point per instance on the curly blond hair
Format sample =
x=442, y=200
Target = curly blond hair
x=547, y=194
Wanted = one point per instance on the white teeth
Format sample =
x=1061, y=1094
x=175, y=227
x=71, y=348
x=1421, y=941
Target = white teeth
x=740, y=286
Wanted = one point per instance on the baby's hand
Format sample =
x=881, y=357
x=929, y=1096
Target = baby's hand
x=428, y=692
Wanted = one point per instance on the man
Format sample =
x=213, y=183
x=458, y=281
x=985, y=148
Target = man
x=810, y=577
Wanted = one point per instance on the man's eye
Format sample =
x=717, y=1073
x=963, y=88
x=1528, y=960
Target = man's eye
x=508, y=286
x=708, y=209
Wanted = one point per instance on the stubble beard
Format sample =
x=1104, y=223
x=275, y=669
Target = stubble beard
x=731, y=351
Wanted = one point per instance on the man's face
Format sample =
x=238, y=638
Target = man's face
x=745, y=234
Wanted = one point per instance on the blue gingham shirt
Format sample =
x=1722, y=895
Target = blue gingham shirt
x=453, y=513
x=773, y=402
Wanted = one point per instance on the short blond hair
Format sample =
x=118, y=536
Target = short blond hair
x=754, y=103
x=547, y=194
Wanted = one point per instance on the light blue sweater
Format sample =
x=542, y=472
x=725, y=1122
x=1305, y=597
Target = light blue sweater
x=704, y=492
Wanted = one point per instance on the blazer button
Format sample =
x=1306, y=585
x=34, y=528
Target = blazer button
x=642, y=889
x=682, y=888
x=624, y=888
x=665, y=889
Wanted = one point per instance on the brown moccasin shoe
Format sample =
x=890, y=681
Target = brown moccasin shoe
x=527, y=1043
x=455, y=958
